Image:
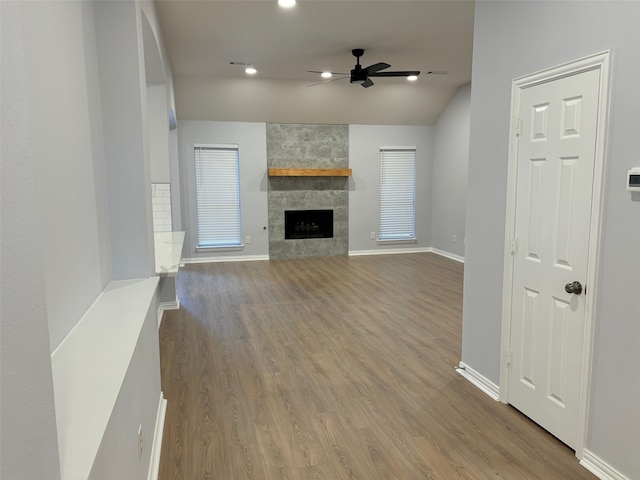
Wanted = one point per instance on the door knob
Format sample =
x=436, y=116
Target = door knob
x=573, y=287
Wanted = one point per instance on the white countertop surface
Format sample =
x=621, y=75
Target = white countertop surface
x=168, y=246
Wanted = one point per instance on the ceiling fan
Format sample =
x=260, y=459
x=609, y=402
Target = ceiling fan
x=362, y=75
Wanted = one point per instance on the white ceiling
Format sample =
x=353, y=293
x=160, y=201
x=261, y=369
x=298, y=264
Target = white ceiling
x=203, y=36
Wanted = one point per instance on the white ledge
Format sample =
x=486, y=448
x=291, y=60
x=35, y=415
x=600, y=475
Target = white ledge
x=168, y=246
x=89, y=366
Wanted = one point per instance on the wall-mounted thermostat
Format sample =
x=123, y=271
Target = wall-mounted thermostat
x=633, y=179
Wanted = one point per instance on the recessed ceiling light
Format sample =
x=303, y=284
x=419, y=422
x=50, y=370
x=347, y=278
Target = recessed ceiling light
x=326, y=74
x=250, y=70
x=412, y=78
x=286, y=3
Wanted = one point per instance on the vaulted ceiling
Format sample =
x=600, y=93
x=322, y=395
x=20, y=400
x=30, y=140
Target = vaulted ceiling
x=202, y=37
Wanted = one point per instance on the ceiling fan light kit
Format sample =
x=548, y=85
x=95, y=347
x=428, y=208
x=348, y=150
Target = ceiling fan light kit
x=249, y=67
x=287, y=3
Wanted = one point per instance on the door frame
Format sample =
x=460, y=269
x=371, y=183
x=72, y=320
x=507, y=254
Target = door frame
x=599, y=61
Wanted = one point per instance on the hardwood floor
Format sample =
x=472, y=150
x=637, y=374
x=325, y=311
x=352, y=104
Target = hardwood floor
x=335, y=368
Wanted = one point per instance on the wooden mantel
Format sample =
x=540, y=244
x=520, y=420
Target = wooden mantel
x=309, y=172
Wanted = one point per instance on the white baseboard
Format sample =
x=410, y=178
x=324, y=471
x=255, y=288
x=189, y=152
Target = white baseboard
x=167, y=306
x=156, y=446
x=599, y=467
x=352, y=253
x=237, y=258
x=450, y=255
x=479, y=380
x=175, y=305
x=389, y=251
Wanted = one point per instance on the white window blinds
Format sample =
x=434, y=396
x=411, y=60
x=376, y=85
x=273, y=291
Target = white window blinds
x=218, y=196
x=397, y=193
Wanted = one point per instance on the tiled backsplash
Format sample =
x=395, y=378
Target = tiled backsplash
x=161, y=207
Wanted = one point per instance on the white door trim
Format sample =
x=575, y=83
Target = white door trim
x=601, y=62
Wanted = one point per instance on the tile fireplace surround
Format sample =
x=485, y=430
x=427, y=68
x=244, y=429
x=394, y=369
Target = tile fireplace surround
x=304, y=146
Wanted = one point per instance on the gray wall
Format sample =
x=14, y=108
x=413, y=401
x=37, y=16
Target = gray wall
x=64, y=111
x=252, y=144
x=126, y=149
x=158, y=128
x=513, y=39
x=450, y=164
x=275, y=100
x=29, y=447
x=364, y=159
x=174, y=163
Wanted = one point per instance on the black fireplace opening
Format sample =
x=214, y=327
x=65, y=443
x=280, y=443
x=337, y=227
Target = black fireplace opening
x=308, y=224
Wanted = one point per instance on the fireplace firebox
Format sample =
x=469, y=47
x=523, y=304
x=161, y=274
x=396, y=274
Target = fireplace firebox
x=300, y=224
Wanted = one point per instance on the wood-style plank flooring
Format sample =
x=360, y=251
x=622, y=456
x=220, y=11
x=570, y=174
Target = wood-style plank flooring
x=335, y=368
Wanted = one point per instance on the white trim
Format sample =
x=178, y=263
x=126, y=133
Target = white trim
x=164, y=306
x=509, y=233
x=599, y=467
x=449, y=255
x=386, y=147
x=156, y=446
x=397, y=241
x=175, y=305
x=222, y=146
x=352, y=253
x=599, y=61
x=389, y=251
x=238, y=258
x=479, y=380
x=226, y=248
x=597, y=207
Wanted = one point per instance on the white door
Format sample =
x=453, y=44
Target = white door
x=555, y=173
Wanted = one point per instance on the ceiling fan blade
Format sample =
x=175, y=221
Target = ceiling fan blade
x=404, y=73
x=367, y=83
x=327, y=81
x=376, y=67
x=333, y=73
x=437, y=72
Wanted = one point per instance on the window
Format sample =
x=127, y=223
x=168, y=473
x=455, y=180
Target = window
x=397, y=194
x=217, y=196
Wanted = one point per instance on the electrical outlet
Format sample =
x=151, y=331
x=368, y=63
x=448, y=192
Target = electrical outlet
x=373, y=235
x=247, y=239
x=140, y=441
x=455, y=239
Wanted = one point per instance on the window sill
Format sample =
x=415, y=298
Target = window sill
x=397, y=241
x=235, y=248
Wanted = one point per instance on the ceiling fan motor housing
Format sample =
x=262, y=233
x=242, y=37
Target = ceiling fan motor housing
x=358, y=75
